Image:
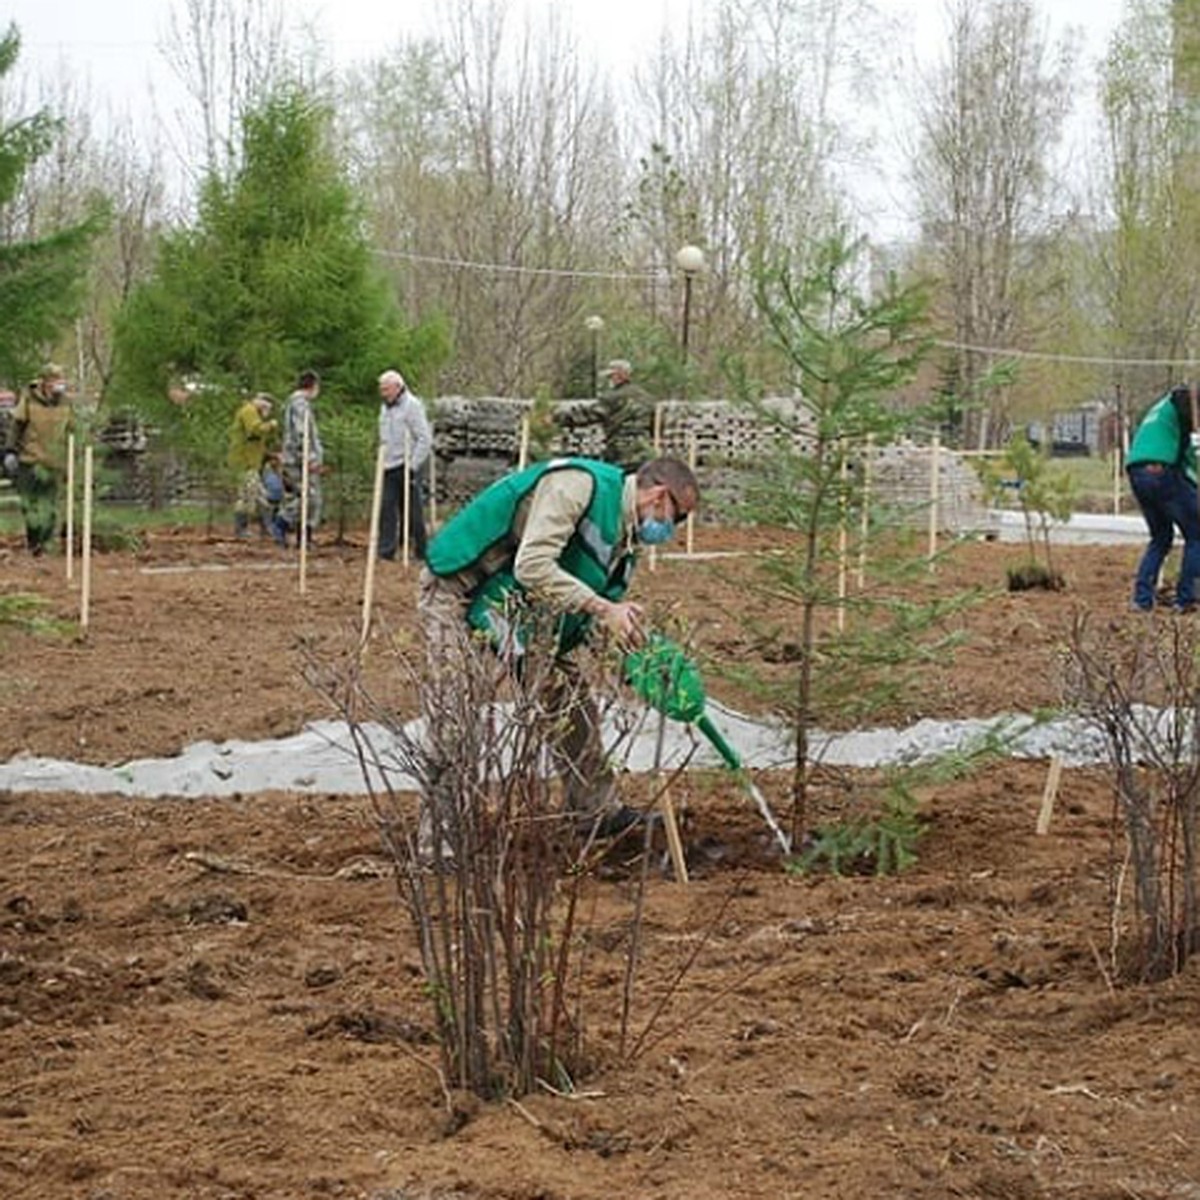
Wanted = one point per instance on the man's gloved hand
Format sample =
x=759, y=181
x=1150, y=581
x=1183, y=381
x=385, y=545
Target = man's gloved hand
x=1195, y=440
x=11, y=462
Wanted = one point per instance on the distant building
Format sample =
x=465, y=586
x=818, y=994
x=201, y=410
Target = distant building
x=1088, y=429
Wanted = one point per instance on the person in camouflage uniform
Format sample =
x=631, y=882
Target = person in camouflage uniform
x=626, y=417
x=35, y=453
x=297, y=414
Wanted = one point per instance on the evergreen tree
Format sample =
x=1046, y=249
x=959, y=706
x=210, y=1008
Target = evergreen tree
x=41, y=276
x=849, y=353
x=274, y=277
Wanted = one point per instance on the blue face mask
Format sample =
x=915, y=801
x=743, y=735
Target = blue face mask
x=653, y=531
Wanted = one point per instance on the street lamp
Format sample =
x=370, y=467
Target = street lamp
x=689, y=260
x=593, y=325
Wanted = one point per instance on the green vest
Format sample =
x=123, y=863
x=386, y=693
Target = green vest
x=1160, y=438
x=483, y=533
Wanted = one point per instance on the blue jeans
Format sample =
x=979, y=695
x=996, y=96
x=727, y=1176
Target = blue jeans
x=1168, y=501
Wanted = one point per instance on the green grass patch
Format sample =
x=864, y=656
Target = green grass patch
x=26, y=611
x=119, y=524
x=1091, y=479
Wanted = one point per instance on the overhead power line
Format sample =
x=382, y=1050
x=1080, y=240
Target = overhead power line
x=511, y=269
x=1086, y=360
x=990, y=351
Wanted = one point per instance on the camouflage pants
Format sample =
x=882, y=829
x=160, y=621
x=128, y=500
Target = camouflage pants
x=289, y=510
x=37, y=487
x=589, y=785
x=251, y=502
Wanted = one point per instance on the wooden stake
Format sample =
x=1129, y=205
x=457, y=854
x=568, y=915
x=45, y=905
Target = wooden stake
x=405, y=503
x=665, y=807
x=432, y=491
x=70, y=547
x=304, y=470
x=691, y=517
x=843, y=539
x=1122, y=448
x=657, y=444
x=1194, y=400
x=523, y=445
x=85, y=597
x=865, y=525
x=934, y=488
x=674, y=841
x=372, y=548
x=1049, y=794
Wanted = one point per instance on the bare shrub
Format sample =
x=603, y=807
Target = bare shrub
x=1138, y=682
x=490, y=867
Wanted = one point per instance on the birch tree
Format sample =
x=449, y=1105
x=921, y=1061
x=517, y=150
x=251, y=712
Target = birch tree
x=1146, y=259
x=991, y=115
x=740, y=134
x=484, y=156
x=494, y=145
x=228, y=55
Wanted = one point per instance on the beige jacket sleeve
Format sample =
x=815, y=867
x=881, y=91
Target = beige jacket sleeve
x=556, y=507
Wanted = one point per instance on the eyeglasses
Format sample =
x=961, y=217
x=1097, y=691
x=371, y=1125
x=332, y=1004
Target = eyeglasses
x=679, y=510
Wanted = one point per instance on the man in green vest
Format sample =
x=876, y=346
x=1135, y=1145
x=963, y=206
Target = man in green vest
x=1162, y=474
x=561, y=535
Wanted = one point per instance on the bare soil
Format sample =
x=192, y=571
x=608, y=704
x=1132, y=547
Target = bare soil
x=221, y=999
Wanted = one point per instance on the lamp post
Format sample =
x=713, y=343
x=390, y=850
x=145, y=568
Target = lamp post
x=689, y=260
x=593, y=325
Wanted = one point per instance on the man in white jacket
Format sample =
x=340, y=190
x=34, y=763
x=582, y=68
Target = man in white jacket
x=403, y=430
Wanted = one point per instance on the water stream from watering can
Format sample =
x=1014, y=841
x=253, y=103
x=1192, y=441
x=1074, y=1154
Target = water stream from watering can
x=785, y=843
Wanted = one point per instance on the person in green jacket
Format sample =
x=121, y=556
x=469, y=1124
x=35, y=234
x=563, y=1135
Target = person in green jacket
x=1162, y=474
x=249, y=438
x=563, y=535
x=35, y=453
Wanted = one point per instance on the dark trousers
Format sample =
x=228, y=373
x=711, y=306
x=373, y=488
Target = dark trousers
x=390, y=513
x=1168, y=502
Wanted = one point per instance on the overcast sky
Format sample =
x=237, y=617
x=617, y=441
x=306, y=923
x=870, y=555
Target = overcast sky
x=113, y=46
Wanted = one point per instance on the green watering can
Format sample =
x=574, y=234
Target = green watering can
x=667, y=680
x=662, y=675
